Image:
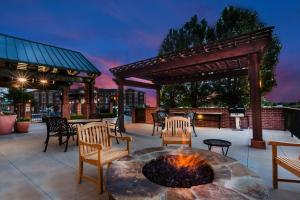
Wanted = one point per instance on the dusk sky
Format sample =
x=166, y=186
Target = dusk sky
x=112, y=33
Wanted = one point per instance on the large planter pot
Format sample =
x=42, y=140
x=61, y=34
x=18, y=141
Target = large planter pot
x=7, y=123
x=22, y=127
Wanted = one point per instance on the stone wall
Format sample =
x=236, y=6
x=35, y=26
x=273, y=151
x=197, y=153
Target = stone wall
x=272, y=118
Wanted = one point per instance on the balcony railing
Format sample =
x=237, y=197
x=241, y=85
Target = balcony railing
x=292, y=121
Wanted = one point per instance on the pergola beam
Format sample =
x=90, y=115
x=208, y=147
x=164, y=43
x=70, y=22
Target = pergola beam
x=210, y=57
x=132, y=83
x=200, y=77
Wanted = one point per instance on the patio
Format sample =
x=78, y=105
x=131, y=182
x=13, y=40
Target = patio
x=52, y=175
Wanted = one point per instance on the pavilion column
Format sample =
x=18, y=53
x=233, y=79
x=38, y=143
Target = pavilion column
x=65, y=105
x=255, y=101
x=88, y=107
x=158, y=88
x=121, y=105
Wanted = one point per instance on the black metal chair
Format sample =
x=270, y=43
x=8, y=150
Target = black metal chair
x=192, y=117
x=58, y=127
x=155, y=122
x=114, y=127
x=158, y=119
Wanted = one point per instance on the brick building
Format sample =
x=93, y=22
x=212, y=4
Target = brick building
x=134, y=98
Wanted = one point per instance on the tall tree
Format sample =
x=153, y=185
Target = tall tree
x=235, y=21
x=193, y=33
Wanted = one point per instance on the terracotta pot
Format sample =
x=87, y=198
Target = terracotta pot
x=7, y=123
x=22, y=127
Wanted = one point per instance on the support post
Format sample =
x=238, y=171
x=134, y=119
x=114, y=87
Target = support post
x=65, y=106
x=255, y=101
x=88, y=108
x=121, y=105
x=158, y=88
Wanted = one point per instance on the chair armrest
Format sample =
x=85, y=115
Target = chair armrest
x=127, y=138
x=275, y=143
x=98, y=146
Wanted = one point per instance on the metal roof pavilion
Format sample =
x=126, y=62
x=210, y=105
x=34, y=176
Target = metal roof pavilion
x=58, y=67
x=20, y=50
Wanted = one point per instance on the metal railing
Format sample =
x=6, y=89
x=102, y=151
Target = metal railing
x=292, y=121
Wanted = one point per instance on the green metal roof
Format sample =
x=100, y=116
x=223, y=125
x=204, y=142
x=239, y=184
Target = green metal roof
x=19, y=50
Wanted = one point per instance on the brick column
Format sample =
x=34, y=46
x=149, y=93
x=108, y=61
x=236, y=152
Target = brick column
x=89, y=107
x=65, y=106
x=78, y=108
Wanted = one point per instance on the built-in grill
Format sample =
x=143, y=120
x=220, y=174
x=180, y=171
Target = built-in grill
x=237, y=112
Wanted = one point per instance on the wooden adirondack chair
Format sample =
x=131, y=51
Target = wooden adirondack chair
x=292, y=165
x=95, y=148
x=177, y=131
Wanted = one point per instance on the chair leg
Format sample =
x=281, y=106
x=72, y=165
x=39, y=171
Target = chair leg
x=100, y=179
x=67, y=143
x=60, y=140
x=194, y=131
x=80, y=170
x=46, y=143
x=117, y=138
x=275, y=174
x=153, y=129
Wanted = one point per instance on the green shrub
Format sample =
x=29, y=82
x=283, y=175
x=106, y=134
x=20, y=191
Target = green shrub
x=21, y=119
x=77, y=117
x=106, y=115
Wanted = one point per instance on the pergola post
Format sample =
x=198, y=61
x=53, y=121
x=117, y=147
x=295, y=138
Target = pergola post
x=158, y=88
x=255, y=101
x=88, y=108
x=121, y=105
x=65, y=106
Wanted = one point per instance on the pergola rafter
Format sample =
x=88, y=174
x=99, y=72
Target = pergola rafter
x=236, y=56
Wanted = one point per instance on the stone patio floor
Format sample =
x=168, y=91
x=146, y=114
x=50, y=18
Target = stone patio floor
x=26, y=172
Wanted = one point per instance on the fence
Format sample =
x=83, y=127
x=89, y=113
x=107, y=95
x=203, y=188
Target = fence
x=292, y=121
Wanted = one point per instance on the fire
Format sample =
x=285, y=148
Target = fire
x=191, y=162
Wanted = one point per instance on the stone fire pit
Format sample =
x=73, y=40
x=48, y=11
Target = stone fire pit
x=232, y=180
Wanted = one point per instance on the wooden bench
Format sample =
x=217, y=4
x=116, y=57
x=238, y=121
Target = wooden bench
x=292, y=165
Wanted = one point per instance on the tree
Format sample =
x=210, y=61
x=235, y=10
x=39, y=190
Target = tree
x=19, y=96
x=193, y=33
x=233, y=21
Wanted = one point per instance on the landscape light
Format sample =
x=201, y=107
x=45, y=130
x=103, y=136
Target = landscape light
x=44, y=81
x=22, y=79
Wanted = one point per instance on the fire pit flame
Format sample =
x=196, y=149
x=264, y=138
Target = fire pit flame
x=181, y=170
x=190, y=162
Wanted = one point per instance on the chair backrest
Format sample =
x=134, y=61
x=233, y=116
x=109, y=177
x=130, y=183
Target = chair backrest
x=161, y=116
x=190, y=115
x=177, y=125
x=56, y=124
x=94, y=133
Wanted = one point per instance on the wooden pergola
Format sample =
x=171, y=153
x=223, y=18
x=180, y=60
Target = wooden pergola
x=236, y=56
x=43, y=66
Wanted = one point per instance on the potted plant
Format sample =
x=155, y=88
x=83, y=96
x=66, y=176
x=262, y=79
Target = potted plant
x=7, y=122
x=22, y=125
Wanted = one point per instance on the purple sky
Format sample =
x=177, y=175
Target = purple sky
x=112, y=33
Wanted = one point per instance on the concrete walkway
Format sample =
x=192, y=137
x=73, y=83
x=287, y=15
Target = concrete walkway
x=28, y=173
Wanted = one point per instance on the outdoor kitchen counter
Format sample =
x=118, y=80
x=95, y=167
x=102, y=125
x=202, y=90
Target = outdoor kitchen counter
x=232, y=180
